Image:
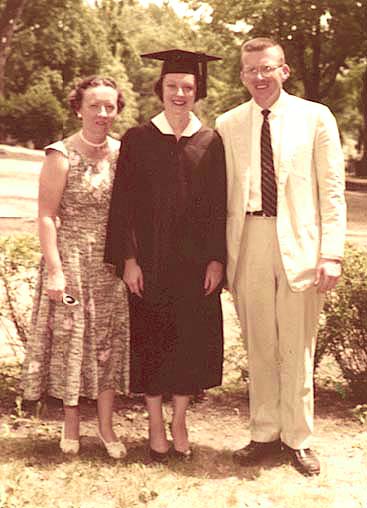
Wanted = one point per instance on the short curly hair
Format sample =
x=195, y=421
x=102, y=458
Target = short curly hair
x=76, y=95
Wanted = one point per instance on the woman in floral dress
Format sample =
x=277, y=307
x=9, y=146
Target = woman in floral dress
x=80, y=325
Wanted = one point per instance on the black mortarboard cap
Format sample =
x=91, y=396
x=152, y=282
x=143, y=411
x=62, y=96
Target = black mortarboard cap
x=188, y=62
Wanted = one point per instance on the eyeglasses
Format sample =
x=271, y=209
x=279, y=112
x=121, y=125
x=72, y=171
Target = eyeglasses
x=264, y=70
x=69, y=300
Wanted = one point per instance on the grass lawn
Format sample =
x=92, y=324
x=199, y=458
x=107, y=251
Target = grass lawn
x=34, y=473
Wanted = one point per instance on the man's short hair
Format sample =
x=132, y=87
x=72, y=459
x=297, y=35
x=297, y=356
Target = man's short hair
x=260, y=44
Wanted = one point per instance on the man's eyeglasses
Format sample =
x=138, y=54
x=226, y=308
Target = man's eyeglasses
x=264, y=70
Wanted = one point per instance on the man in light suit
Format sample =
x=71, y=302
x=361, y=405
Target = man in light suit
x=285, y=234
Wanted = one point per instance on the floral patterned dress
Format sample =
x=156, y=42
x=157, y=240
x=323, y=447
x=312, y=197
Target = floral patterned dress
x=80, y=350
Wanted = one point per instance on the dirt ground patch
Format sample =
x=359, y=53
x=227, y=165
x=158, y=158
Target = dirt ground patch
x=218, y=425
x=34, y=472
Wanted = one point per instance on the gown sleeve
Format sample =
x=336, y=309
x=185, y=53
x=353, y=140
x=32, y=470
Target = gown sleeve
x=217, y=195
x=120, y=241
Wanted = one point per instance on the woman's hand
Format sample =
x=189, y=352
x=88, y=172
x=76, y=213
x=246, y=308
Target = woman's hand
x=213, y=276
x=133, y=277
x=51, y=187
x=56, y=285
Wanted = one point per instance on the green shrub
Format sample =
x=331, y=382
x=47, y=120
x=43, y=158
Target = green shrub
x=18, y=253
x=35, y=116
x=19, y=257
x=343, y=326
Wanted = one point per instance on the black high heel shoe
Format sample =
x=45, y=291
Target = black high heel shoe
x=185, y=456
x=161, y=457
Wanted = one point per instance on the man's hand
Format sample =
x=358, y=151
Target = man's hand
x=328, y=272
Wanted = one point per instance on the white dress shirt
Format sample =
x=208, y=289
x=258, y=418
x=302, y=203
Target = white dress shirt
x=276, y=111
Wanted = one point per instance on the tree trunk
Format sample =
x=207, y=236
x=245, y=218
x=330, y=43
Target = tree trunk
x=10, y=16
x=313, y=91
x=361, y=165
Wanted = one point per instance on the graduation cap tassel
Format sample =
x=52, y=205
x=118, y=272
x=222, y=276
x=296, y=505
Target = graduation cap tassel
x=204, y=74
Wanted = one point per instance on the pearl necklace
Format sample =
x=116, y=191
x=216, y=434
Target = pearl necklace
x=89, y=143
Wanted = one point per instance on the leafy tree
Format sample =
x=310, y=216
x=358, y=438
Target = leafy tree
x=56, y=42
x=135, y=29
x=63, y=35
x=361, y=166
x=324, y=41
x=225, y=89
x=348, y=101
x=35, y=116
x=11, y=12
x=318, y=40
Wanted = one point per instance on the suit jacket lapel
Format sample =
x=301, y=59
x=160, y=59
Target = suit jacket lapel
x=288, y=132
x=242, y=141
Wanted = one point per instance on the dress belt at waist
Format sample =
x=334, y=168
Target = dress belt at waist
x=259, y=213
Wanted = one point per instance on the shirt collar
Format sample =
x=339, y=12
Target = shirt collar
x=275, y=108
x=161, y=122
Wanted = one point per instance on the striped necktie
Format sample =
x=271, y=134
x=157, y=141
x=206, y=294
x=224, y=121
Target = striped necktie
x=268, y=184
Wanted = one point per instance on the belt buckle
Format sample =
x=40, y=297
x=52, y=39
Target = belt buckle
x=257, y=213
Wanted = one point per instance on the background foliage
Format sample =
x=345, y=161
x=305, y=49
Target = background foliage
x=46, y=44
x=343, y=325
x=343, y=331
x=19, y=257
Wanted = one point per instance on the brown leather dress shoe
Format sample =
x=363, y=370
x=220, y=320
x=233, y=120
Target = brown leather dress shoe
x=255, y=452
x=304, y=460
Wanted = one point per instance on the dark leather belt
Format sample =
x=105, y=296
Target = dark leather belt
x=259, y=213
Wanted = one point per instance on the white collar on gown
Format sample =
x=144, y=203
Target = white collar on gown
x=161, y=122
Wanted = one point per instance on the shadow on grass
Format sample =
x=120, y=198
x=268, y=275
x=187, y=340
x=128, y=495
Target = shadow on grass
x=34, y=442
x=207, y=463
x=331, y=404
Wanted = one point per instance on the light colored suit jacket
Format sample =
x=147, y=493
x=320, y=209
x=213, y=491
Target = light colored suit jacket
x=311, y=216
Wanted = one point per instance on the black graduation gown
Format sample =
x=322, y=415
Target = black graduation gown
x=168, y=211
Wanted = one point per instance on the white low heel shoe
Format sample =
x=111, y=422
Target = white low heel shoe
x=115, y=449
x=69, y=446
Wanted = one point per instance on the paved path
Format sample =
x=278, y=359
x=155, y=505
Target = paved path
x=19, y=173
x=19, y=187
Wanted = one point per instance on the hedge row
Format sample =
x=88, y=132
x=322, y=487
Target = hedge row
x=343, y=324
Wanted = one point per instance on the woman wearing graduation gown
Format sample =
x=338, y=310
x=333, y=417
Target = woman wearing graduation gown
x=166, y=235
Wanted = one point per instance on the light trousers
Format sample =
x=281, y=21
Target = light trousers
x=280, y=328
